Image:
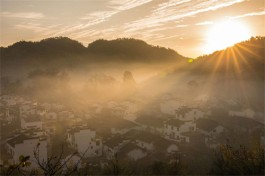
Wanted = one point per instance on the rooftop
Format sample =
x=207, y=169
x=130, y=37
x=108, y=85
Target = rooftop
x=175, y=122
x=206, y=124
x=19, y=139
x=150, y=120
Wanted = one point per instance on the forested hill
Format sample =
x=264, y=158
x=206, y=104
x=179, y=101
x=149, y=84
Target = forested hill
x=65, y=50
x=247, y=57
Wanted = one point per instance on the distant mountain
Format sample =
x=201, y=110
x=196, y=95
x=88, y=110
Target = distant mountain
x=64, y=51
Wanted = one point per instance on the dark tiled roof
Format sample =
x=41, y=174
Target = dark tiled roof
x=183, y=110
x=245, y=122
x=174, y=122
x=150, y=120
x=19, y=139
x=115, y=141
x=127, y=148
x=147, y=137
x=77, y=129
x=206, y=124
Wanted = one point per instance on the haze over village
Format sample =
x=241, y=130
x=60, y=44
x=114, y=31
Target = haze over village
x=172, y=87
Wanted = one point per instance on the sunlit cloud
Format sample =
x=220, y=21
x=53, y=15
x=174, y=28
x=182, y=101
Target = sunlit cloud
x=249, y=15
x=170, y=12
x=182, y=26
x=37, y=27
x=94, y=18
x=115, y=6
x=204, y=23
x=26, y=15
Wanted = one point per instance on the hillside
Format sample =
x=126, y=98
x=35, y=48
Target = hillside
x=236, y=72
x=246, y=57
x=64, y=51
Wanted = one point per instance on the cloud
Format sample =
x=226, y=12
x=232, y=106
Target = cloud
x=173, y=11
x=249, y=15
x=26, y=15
x=115, y=7
x=43, y=30
x=182, y=26
x=204, y=23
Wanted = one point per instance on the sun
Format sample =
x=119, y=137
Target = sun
x=224, y=34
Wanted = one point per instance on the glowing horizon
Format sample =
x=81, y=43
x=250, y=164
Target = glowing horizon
x=181, y=25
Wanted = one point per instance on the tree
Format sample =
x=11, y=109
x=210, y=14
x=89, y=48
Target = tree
x=55, y=164
x=16, y=168
x=242, y=161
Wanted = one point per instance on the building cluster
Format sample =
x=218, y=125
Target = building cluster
x=122, y=130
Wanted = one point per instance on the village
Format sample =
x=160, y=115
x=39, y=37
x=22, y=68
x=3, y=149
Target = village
x=129, y=130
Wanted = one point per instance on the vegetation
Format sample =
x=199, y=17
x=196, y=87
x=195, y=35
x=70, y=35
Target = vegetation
x=242, y=161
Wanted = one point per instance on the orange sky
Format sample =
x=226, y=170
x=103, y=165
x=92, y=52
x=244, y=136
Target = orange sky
x=179, y=24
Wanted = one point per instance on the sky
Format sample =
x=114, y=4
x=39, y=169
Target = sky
x=182, y=25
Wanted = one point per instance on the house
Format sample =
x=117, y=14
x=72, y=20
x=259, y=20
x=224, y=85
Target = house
x=31, y=121
x=151, y=123
x=173, y=129
x=121, y=126
x=132, y=152
x=155, y=143
x=195, y=138
x=145, y=140
x=26, y=145
x=189, y=114
x=209, y=127
x=85, y=141
x=10, y=113
x=113, y=145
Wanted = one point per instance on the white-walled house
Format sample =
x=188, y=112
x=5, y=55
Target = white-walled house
x=32, y=121
x=85, y=141
x=209, y=127
x=174, y=127
x=189, y=114
x=26, y=145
